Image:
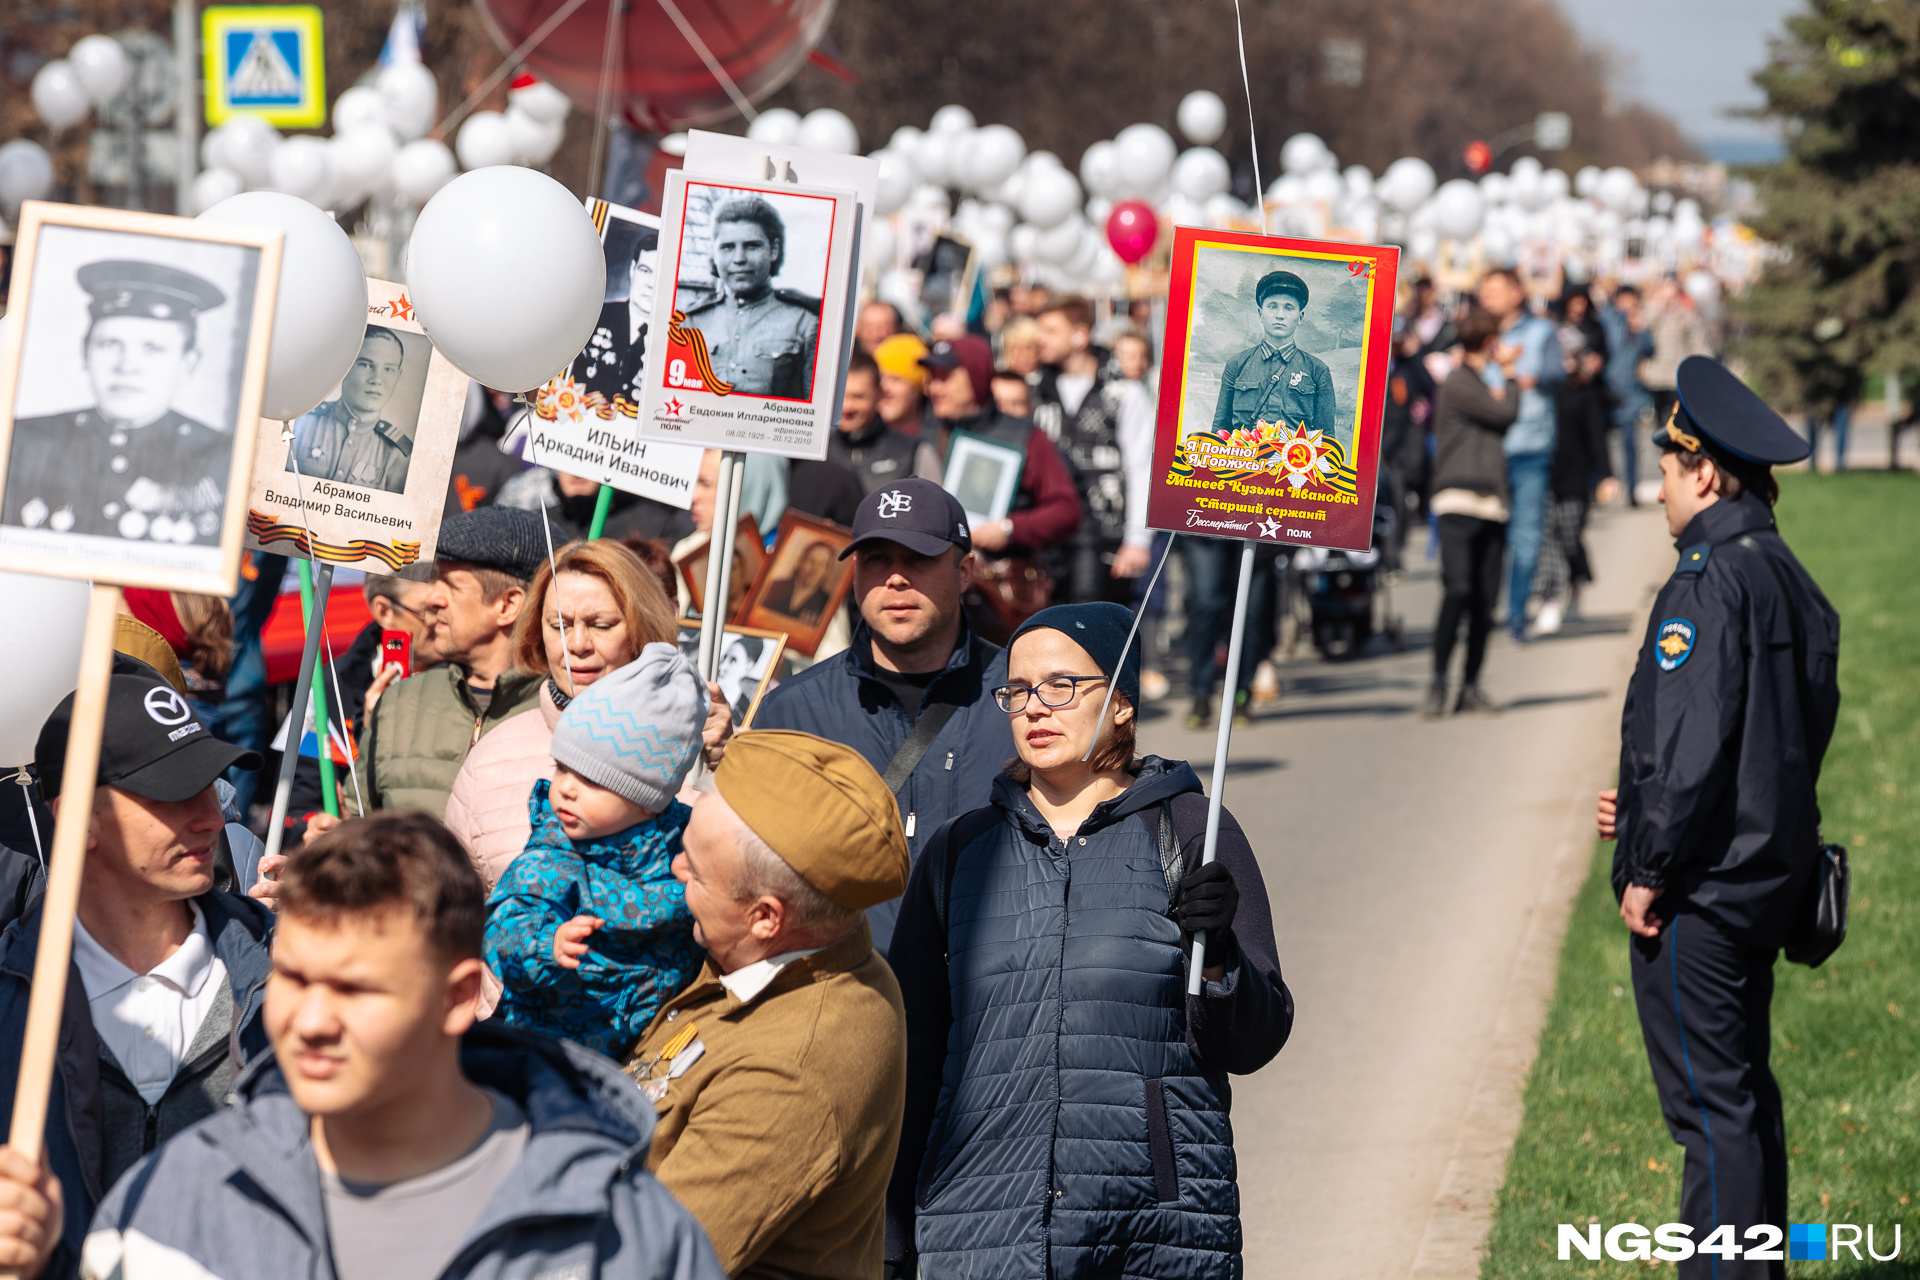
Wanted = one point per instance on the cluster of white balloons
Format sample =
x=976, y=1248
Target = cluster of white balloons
x=1027, y=206
x=379, y=147
x=64, y=91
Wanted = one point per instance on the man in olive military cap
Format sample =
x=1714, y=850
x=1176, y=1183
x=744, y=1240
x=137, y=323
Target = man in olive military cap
x=762, y=339
x=346, y=440
x=130, y=466
x=1276, y=381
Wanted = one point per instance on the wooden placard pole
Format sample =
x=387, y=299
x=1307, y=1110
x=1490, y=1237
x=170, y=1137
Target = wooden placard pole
x=1216, y=794
x=55, y=956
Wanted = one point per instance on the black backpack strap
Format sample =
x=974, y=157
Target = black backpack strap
x=914, y=749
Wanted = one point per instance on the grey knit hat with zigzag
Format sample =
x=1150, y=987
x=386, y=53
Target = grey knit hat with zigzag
x=636, y=731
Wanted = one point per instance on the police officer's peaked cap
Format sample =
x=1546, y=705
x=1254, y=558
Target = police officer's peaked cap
x=1719, y=411
x=147, y=289
x=1280, y=282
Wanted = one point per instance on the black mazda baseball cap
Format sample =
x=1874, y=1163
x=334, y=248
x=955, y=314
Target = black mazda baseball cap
x=153, y=745
x=918, y=514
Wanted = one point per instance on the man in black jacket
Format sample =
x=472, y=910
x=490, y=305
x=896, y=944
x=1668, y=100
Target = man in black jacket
x=1727, y=718
x=875, y=453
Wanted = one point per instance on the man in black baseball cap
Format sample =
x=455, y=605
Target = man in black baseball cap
x=914, y=692
x=163, y=1000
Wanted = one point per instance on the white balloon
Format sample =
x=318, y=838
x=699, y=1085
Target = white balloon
x=1050, y=196
x=1099, y=209
x=994, y=156
x=484, y=140
x=1303, y=153
x=1423, y=244
x=903, y=141
x=1201, y=173
x=320, y=315
x=59, y=96
x=1359, y=181
x=1081, y=264
x=26, y=172
x=1145, y=153
x=1058, y=244
x=1407, y=182
x=211, y=186
x=411, y=97
x=360, y=105
x=420, y=169
x=952, y=118
x=1496, y=188
x=1458, y=208
x=990, y=247
x=1617, y=188
x=896, y=181
x=877, y=249
x=776, y=125
x=362, y=161
x=1185, y=212
x=1224, y=211
x=542, y=101
x=1524, y=178
x=1586, y=183
x=300, y=167
x=506, y=271
x=1202, y=117
x=1555, y=184
x=1324, y=186
x=1022, y=242
x=40, y=632
x=102, y=65
x=1287, y=189
x=247, y=147
x=534, y=141
x=825, y=129
x=934, y=157
x=1663, y=202
x=1108, y=270
x=1100, y=169
x=997, y=218
x=928, y=196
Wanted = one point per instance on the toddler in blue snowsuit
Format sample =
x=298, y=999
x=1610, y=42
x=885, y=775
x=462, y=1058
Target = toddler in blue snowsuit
x=588, y=930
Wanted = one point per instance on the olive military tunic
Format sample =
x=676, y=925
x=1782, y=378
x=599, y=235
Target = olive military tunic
x=1267, y=384
x=763, y=346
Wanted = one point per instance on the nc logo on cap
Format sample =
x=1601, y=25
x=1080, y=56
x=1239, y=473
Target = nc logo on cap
x=893, y=503
x=167, y=708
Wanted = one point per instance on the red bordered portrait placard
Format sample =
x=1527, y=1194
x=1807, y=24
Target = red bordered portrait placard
x=1274, y=384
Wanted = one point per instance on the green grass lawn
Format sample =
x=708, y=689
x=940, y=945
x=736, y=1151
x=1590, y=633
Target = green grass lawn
x=1846, y=1036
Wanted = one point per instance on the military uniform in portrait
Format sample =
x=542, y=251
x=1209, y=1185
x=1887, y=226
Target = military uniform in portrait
x=1275, y=381
x=764, y=346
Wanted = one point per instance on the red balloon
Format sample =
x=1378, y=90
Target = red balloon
x=661, y=82
x=1132, y=229
x=1479, y=157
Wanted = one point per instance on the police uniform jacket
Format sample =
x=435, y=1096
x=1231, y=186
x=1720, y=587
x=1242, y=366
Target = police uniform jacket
x=764, y=347
x=79, y=473
x=320, y=446
x=1724, y=729
x=1265, y=384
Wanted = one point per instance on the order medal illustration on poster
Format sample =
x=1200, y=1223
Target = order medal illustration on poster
x=742, y=354
x=1269, y=421
x=365, y=472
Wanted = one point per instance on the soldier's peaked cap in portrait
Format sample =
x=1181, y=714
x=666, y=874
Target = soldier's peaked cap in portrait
x=148, y=289
x=1280, y=282
x=1718, y=410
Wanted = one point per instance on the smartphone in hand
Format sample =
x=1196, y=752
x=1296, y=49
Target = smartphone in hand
x=396, y=650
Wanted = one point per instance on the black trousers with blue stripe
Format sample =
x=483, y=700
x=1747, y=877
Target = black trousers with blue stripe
x=1704, y=1012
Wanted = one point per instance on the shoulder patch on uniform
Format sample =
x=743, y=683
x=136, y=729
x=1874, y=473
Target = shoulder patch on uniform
x=1672, y=642
x=393, y=436
x=1694, y=559
x=795, y=298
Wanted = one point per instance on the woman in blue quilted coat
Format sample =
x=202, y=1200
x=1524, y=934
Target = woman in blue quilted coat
x=1066, y=1111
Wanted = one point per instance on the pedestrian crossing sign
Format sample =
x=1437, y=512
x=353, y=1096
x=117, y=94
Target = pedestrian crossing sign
x=266, y=61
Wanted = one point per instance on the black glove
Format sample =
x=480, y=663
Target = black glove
x=1207, y=899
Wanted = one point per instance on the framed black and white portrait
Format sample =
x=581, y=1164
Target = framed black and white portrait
x=361, y=479
x=982, y=475
x=749, y=355
x=130, y=395
x=750, y=664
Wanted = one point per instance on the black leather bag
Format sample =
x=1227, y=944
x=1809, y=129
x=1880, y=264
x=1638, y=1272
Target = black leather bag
x=1822, y=926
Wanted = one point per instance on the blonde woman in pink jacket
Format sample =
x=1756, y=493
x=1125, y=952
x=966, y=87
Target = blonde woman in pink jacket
x=607, y=606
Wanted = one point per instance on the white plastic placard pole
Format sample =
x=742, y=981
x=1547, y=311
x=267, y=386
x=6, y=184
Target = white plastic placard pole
x=1229, y=685
x=726, y=526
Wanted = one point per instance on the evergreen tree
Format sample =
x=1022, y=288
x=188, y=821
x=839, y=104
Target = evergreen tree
x=1845, y=300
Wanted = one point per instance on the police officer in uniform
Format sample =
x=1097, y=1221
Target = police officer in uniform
x=1727, y=718
x=130, y=466
x=346, y=440
x=762, y=339
x=1276, y=381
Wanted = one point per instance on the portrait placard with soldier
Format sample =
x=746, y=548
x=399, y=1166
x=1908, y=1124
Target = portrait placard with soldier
x=127, y=401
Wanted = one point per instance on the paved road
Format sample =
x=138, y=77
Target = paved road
x=1420, y=875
